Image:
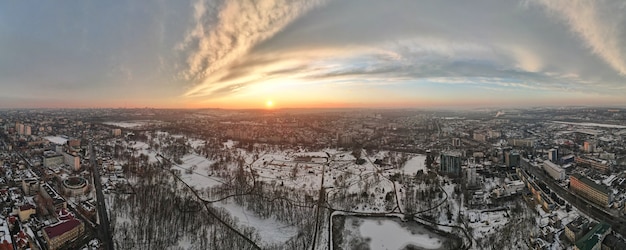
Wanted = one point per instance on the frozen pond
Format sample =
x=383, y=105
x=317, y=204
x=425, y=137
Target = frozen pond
x=356, y=232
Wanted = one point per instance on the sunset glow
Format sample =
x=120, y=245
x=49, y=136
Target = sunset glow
x=192, y=54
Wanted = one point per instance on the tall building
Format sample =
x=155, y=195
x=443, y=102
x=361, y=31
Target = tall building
x=116, y=132
x=19, y=128
x=450, y=163
x=553, y=155
x=589, y=147
x=512, y=158
x=27, y=130
x=456, y=142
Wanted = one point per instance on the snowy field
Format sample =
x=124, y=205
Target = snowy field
x=590, y=124
x=143, y=148
x=388, y=233
x=270, y=230
x=485, y=223
x=415, y=164
x=199, y=178
x=126, y=124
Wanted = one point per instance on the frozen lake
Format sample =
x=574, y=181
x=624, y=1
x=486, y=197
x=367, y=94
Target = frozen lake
x=357, y=232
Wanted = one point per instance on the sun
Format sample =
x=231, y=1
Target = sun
x=269, y=104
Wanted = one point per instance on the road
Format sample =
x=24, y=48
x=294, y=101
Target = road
x=104, y=232
x=320, y=202
x=581, y=204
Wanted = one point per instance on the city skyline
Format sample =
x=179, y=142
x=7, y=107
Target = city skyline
x=312, y=54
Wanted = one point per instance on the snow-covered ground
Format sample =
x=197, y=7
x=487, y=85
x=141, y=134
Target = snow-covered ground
x=270, y=230
x=485, y=223
x=388, y=234
x=591, y=124
x=143, y=148
x=415, y=164
x=199, y=177
x=132, y=124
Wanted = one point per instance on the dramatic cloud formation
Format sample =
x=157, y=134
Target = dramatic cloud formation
x=533, y=45
x=312, y=53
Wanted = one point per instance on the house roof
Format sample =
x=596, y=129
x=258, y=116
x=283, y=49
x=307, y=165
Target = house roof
x=61, y=228
x=593, y=237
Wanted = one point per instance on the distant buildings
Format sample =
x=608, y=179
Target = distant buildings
x=456, y=142
x=116, y=132
x=521, y=142
x=480, y=137
x=589, y=147
x=585, y=187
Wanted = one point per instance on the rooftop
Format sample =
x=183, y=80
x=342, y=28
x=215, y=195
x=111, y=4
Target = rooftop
x=591, y=183
x=593, y=237
x=61, y=228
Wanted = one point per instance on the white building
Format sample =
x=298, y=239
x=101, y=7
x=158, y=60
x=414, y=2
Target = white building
x=556, y=171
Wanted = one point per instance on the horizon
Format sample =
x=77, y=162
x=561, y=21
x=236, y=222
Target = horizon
x=312, y=54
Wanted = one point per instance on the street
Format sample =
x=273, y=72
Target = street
x=580, y=203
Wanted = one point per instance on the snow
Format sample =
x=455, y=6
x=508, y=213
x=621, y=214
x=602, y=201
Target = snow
x=125, y=124
x=485, y=223
x=198, y=178
x=56, y=139
x=143, y=148
x=415, y=164
x=591, y=124
x=388, y=234
x=229, y=144
x=270, y=230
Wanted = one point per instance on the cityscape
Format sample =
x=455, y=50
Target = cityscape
x=542, y=178
x=313, y=125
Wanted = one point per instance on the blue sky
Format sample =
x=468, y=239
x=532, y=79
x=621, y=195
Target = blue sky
x=322, y=53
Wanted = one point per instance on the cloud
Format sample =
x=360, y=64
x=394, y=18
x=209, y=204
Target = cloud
x=599, y=23
x=490, y=44
x=225, y=31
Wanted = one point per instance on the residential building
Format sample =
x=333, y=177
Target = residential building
x=25, y=211
x=576, y=229
x=58, y=234
x=72, y=160
x=553, y=155
x=52, y=159
x=555, y=171
x=593, y=239
x=450, y=163
x=587, y=188
x=512, y=159
x=600, y=165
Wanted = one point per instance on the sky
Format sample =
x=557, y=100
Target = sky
x=312, y=53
